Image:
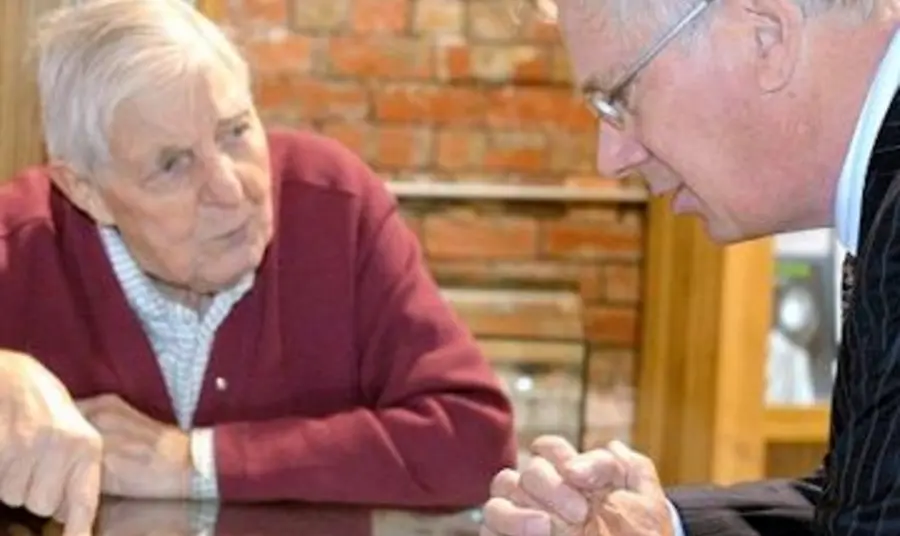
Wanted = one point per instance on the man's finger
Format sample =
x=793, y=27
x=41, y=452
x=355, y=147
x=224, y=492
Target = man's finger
x=507, y=485
x=82, y=498
x=45, y=492
x=555, y=449
x=506, y=519
x=641, y=475
x=14, y=486
x=596, y=470
x=543, y=483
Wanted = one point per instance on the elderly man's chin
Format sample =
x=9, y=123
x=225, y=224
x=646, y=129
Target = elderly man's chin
x=221, y=269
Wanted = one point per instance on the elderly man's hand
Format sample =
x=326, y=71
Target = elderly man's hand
x=603, y=492
x=49, y=455
x=142, y=458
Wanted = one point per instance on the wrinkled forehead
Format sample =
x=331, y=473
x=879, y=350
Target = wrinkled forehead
x=599, y=48
x=184, y=111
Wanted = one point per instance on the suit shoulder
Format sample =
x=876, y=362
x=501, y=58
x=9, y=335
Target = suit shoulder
x=310, y=159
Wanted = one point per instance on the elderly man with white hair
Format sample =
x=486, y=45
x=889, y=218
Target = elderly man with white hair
x=196, y=307
x=758, y=116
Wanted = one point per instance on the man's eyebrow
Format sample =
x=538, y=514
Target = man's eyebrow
x=232, y=119
x=604, y=81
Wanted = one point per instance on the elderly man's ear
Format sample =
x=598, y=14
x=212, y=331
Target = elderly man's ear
x=82, y=191
x=776, y=29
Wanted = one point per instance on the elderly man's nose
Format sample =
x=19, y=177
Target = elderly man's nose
x=223, y=185
x=618, y=152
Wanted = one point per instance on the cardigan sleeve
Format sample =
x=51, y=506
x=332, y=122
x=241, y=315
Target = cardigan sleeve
x=437, y=425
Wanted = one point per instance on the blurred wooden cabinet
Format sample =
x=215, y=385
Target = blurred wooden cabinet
x=701, y=409
x=20, y=126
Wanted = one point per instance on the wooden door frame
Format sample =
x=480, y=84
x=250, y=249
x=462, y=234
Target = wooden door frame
x=20, y=120
x=705, y=324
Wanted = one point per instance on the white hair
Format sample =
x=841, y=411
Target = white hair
x=654, y=13
x=94, y=55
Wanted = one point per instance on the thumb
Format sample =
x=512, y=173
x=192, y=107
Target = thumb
x=640, y=472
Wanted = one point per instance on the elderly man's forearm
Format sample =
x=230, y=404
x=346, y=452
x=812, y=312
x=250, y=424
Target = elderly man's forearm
x=440, y=451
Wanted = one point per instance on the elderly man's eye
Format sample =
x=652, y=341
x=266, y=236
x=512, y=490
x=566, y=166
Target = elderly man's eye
x=173, y=164
x=239, y=130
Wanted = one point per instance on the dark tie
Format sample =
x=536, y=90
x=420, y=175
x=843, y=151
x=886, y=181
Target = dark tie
x=846, y=283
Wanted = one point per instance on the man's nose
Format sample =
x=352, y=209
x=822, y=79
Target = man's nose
x=223, y=185
x=618, y=152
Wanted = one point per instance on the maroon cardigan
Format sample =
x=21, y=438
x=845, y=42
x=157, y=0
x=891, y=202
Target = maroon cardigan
x=349, y=379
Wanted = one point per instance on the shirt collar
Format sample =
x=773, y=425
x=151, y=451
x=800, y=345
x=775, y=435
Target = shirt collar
x=849, y=194
x=143, y=296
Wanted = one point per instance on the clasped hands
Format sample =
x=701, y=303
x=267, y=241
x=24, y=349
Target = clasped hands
x=57, y=455
x=560, y=492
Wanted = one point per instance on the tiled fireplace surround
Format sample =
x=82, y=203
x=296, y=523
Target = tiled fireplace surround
x=474, y=123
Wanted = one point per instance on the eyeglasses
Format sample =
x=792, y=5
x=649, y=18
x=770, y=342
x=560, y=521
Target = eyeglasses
x=609, y=105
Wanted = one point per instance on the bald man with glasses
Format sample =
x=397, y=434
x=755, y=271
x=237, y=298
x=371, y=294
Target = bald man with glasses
x=758, y=117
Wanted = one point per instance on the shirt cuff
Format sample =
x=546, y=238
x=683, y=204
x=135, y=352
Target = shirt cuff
x=677, y=527
x=204, y=484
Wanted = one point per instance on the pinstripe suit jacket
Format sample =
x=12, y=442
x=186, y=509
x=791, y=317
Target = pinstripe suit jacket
x=857, y=490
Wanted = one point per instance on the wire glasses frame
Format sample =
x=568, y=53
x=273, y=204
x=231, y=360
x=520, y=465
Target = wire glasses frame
x=607, y=105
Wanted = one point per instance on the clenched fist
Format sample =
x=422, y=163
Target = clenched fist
x=50, y=456
x=560, y=492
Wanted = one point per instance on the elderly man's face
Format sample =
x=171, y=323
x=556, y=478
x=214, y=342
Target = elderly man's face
x=711, y=124
x=189, y=187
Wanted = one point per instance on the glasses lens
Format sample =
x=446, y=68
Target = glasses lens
x=605, y=110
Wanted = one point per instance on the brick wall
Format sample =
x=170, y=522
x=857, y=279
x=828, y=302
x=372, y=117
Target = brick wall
x=456, y=91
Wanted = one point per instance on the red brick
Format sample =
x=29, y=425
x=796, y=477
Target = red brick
x=453, y=61
x=505, y=63
x=356, y=136
x=272, y=91
x=518, y=314
x=319, y=15
x=623, y=283
x=561, y=70
x=608, y=369
x=551, y=107
x=574, y=153
x=380, y=16
x=439, y=17
x=462, y=234
x=516, y=151
x=435, y=104
x=287, y=52
x=381, y=57
x=491, y=20
x=403, y=147
x=312, y=99
x=614, y=326
x=587, y=239
x=460, y=148
x=271, y=11
x=592, y=283
x=539, y=29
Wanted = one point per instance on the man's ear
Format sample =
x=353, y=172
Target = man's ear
x=777, y=27
x=81, y=191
